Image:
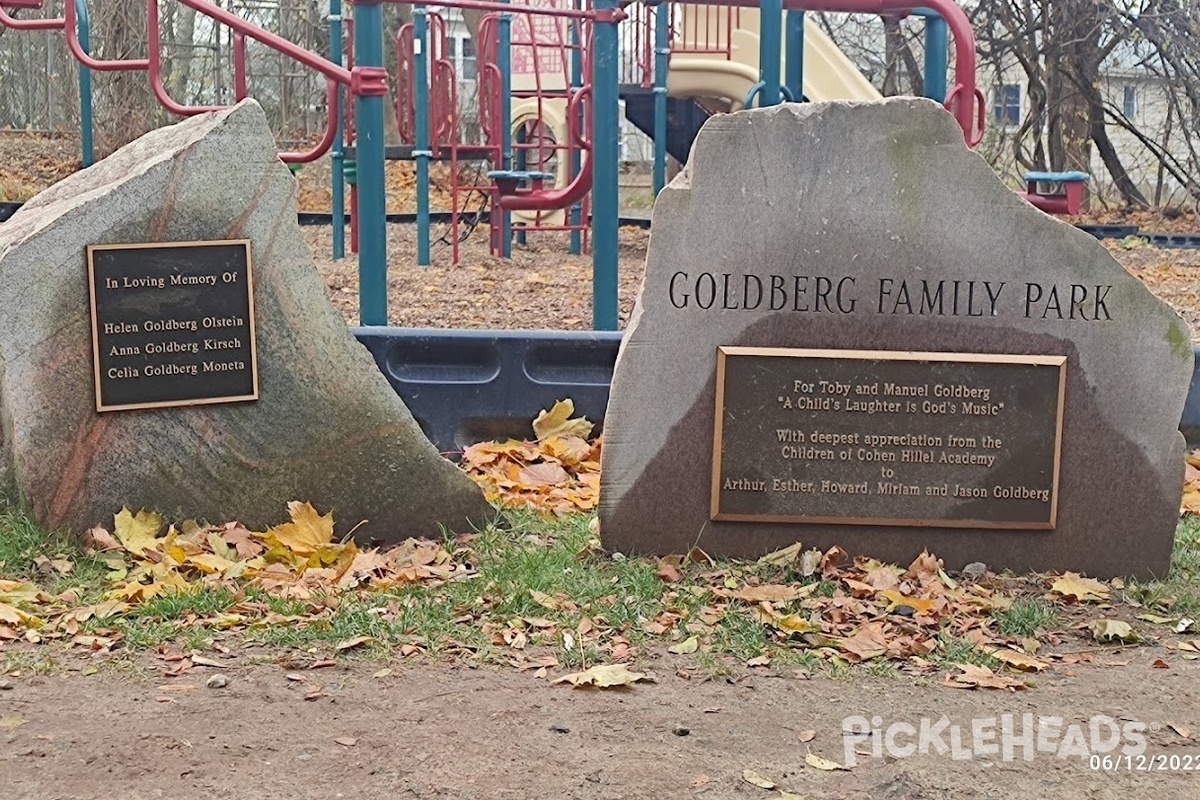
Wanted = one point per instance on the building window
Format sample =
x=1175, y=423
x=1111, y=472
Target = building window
x=464, y=58
x=1006, y=104
x=1129, y=102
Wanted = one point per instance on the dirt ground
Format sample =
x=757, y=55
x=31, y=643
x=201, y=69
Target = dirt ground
x=544, y=287
x=436, y=731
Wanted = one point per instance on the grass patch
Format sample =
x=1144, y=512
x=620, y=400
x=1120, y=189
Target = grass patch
x=1179, y=592
x=1026, y=617
x=956, y=650
x=29, y=553
x=535, y=588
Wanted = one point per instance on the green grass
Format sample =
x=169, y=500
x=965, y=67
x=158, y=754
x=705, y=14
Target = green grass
x=22, y=543
x=530, y=571
x=1026, y=617
x=955, y=650
x=1179, y=592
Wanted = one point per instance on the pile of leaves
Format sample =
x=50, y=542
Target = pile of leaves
x=1191, y=485
x=298, y=559
x=865, y=610
x=559, y=473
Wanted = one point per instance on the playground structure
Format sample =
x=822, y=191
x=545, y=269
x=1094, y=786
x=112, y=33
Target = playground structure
x=550, y=79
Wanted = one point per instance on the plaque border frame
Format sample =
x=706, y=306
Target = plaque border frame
x=91, y=249
x=723, y=351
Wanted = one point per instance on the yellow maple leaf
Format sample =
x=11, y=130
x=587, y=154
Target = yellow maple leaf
x=1018, y=660
x=137, y=532
x=308, y=531
x=12, y=615
x=557, y=422
x=605, y=676
x=210, y=563
x=920, y=605
x=1072, y=585
x=134, y=591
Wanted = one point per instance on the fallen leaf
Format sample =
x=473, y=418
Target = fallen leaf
x=1017, y=660
x=543, y=475
x=752, y=777
x=1159, y=663
x=789, y=623
x=12, y=721
x=759, y=661
x=357, y=641
x=1074, y=587
x=783, y=556
x=1110, y=630
x=308, y=531
x=767, y=593
x=815, y=761
x=557, y=422
x=346, y=741
x=807, y=735
x=917, y=604
x=973, y=676
x=604, y=676
x=867, y=642
x=1182, y=730
x=383, y=673
x=137, y=532
x=686, y=647
x=98, y=539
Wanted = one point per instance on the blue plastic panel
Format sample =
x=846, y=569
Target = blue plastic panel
x=468, y=386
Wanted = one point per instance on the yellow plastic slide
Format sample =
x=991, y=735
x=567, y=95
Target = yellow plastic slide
x=828, y=73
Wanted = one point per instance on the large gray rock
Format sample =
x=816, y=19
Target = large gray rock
x=873, y=192
x=327, y=428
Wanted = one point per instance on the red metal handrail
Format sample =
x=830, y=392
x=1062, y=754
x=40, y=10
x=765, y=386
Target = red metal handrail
x=28, y=24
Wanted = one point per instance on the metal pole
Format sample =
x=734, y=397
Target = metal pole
x=521, y=159
x=605, y=154
x=661, y=54
x=937, y=47
x=794, y=33
x=86, y=125
x=769, y=47
x=421, y=150
x=337, y=179
x=372, y=194
x=504, y=63
x=575, y=213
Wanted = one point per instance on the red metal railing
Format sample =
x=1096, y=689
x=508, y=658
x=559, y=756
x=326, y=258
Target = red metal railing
x=360, y=81
x=707, y=29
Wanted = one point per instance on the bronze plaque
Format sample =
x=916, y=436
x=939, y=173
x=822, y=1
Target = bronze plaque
x=172, y=324
x=861, y=437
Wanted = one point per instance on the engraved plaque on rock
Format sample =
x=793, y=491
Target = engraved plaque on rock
x=172, y=324
x=858, y=437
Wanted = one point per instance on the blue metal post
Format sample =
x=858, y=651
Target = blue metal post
x=421, y=150
x=86, y=125
x=372, y=193
x=504, y=63
x=337, y=179
x=521, y=157
x=770, y=51
x=661, y=53
x=937, y=48
x=575, y=213
x=605, y=155
x=794, y=61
